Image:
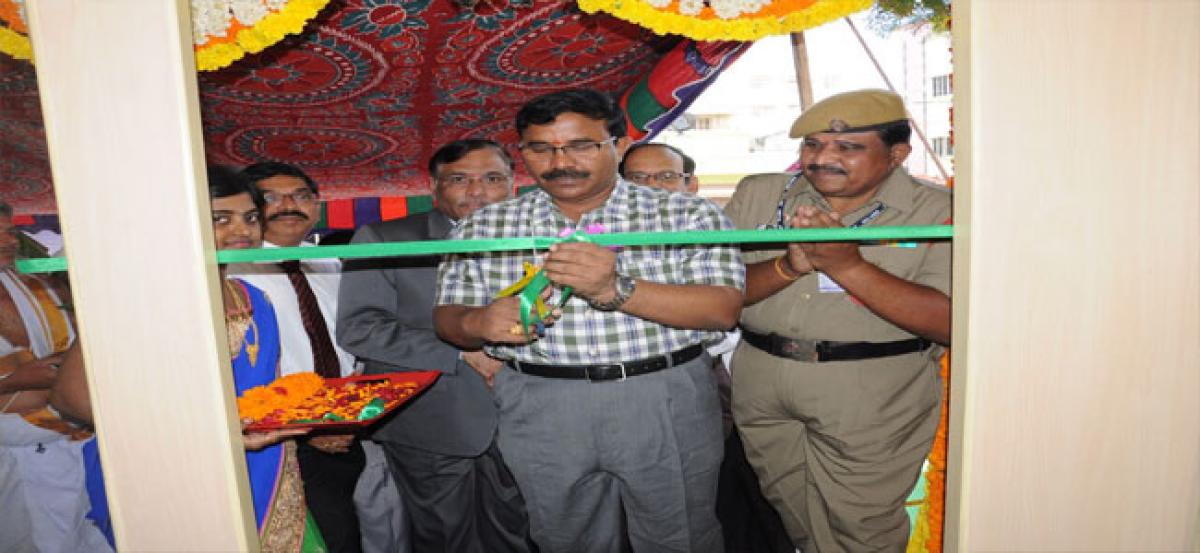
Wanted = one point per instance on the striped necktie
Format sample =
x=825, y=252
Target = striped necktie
x=325, y=359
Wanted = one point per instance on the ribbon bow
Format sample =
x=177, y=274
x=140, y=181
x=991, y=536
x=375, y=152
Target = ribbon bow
x=531, y=286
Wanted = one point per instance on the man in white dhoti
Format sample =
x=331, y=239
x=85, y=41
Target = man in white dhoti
x=42, y=479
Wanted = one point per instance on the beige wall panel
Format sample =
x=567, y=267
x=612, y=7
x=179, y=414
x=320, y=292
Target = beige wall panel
x=119, y=99
x=1077, y=347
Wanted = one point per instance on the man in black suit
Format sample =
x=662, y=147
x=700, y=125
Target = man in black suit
x=441, y=447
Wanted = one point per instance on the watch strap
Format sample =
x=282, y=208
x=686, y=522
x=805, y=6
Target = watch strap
x=624, y=286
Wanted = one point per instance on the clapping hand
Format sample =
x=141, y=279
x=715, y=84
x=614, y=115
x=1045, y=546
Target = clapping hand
x=827, y=257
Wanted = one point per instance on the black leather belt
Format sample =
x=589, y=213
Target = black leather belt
x=612, y=371
x=816, y=351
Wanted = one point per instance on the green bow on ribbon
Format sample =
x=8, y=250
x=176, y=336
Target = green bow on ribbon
x=529, y=289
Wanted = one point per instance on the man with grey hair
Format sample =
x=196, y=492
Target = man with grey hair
x=441, y=448
x=660, y=165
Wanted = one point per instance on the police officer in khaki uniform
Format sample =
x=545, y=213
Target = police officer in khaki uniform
x=836, y=391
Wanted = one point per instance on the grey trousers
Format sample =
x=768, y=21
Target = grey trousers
x=608, y=463
x=381, y=518
x=460, y=504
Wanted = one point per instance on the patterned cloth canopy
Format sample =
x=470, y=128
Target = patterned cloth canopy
x=371, y=88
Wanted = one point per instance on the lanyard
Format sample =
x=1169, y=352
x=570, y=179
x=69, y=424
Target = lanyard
x=866, y=219
x=781, y=213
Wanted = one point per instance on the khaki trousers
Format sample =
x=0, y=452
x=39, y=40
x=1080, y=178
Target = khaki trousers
x=837, y=446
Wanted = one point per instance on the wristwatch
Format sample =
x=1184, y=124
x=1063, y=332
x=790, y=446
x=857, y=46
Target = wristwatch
x=624, y=287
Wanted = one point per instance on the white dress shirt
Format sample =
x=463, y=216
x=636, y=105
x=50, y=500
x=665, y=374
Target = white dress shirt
x=724, y=348
x=324, y=276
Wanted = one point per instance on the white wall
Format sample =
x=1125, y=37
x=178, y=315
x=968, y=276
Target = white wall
x=1077, y=283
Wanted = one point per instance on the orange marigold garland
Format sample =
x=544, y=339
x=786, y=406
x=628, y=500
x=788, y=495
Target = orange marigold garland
x=927, y=534
x=11, y=14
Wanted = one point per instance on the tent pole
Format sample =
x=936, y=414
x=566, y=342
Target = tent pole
x=803, y=74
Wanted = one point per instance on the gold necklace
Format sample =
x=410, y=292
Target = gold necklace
x=238, y=322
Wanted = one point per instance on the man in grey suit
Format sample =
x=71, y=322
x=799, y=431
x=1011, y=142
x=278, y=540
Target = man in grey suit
x=441, y=447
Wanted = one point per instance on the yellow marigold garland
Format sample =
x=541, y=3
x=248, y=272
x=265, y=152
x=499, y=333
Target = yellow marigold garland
x=250, y=40
x=15, y=44
x=215, y=54
x=705, y=26
x=13, y=39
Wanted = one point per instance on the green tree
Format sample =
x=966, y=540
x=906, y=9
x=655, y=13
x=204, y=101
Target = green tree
x=888, y=15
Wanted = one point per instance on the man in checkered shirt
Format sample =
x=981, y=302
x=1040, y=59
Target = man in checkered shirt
x=609, y=417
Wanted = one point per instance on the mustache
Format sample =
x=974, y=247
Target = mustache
x=815, y=168
x=568, y=173
x=292, y=213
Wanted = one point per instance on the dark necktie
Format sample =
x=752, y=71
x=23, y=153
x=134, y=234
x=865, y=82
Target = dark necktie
x=325, y=359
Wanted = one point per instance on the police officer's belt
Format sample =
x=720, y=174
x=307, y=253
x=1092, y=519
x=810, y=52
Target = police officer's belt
x=814, y=351
x=610, y=371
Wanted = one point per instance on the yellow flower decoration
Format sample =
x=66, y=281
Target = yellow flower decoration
x=15, y=44
x=241, y=40
x=212, y=52
x=715, y=22
x=13, y=39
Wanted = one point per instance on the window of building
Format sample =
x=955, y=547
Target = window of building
x=712, y=121
x=942, y=146
x=941, y=85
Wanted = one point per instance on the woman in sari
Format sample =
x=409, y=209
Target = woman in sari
x=284, y=524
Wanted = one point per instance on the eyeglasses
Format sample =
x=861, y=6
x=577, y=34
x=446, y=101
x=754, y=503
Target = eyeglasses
x=577, y=149
x=664, y=177
x=491, y=179
x=299, y=196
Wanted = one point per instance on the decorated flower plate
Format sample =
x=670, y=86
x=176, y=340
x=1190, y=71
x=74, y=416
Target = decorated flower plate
x=305, y=400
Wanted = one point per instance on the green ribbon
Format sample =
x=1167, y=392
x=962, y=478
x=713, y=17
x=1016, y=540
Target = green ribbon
x=531, y=301
x=444, y=247
x=372, y=409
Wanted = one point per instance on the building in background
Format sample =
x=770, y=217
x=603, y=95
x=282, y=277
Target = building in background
x=739, y=125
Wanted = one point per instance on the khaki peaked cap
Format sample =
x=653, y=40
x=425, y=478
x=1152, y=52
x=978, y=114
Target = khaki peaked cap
x=857, y=111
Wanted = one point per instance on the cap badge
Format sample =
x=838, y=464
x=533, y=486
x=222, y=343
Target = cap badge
x=837, y=125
